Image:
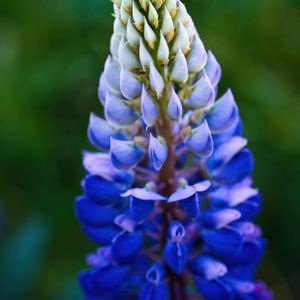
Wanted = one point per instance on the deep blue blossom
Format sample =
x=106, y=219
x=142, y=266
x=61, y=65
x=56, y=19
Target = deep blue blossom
x=169, y=199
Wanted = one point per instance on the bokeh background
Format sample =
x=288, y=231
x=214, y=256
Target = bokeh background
x=51, y=55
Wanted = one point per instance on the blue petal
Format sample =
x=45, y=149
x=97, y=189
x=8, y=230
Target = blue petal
x=112, y=74
x=125, y=154
x=203, y=94
x=86, y=283
x=226, y=151
x=251, y=251
x=180, y=70
x=237, y=169
x=197, y=57
x=182, y=193
x=233, y=195
x=200, y=141
x=176, y=255
x=125, y=222
x=174, y=108
x=91, y=213
x=223, y=242
x=176, y=232
x=149, y=109
x=126, y=246
x=251, y=208
x=102, y=258
x=242, y=288
x=118, y=112
x=223, y=114
x=208, y=267
x=110, y=278
x=100, y=132
x=99, y=164
x=155, y=274
x=219, y=218
x=102, y=89
x=131, y=87
x=158, y=152
x=156, y=81
x=140, y=209
x=149, y=291
x=100, y=235
x=213, y=69
x=213, y=290
x=143, y=194
x=101, y=190
x=191, y=206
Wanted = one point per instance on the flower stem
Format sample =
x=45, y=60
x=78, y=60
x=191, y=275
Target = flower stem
x=167, y=176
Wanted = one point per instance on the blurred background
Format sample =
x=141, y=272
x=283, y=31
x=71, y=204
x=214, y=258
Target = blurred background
x=51, y=55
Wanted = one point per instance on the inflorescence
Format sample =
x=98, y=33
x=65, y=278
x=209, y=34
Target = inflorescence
x=169, y=198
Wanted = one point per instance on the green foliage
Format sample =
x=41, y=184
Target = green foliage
x=51, y=55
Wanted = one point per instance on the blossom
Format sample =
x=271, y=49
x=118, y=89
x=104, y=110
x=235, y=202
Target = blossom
x=168, y=198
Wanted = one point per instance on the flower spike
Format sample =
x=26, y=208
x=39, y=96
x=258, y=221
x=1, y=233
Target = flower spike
x=168, y=199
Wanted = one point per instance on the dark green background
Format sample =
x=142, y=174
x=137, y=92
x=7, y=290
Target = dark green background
x=51, y=55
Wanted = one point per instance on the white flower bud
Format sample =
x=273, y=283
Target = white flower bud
x=149, y=35
x=167, y=26
x=127, y=57
x=163, y=50
x=181, y=40
x=158, y=3
x=171, y=5
x=145, y=57
x=114, y=46
x=156, y=81
x=119, y=29
x=153, y=15
x=127, y=4
x=124, y=15
x=133, y=36
x=197, y=57
x=144, y=4
x=138, y=17
x=180, y=69
x=116, y=10
x=182, y=14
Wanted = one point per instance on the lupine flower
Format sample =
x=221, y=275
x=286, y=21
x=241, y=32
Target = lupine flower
x=168, y=199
